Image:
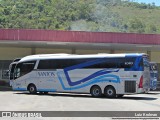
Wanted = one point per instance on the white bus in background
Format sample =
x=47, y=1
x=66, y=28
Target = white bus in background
x=101, y=74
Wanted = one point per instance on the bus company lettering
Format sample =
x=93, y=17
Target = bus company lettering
x=129, y=63
x=46, y=74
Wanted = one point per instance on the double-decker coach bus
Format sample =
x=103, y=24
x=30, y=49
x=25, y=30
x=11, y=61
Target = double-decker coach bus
x=101, y=74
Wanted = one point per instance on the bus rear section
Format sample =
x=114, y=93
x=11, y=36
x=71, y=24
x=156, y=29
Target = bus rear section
x=144, y=81
x=136, y=75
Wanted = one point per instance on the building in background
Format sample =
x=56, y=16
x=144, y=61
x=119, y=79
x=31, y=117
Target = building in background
x=17, y=43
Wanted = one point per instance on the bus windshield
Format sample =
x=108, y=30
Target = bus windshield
x=11, y=74
x=23, y=68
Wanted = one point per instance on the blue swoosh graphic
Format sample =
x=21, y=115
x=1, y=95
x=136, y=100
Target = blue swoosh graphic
x=135, y=67
x=94, y=80
x=82, y=65
x=101, y=72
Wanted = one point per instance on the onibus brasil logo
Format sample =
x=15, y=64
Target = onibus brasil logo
x=21, y=114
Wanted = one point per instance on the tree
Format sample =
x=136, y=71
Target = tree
x=151, y=28
x=136, y=25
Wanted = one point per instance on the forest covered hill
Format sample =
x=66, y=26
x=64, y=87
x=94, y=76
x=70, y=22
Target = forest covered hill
x=81, y=15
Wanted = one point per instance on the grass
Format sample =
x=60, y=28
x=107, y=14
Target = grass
x=148, y=16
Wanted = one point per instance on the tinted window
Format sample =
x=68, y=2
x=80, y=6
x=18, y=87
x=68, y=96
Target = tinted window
x=115, y=63
x=126, y=62
x=59, y=63
x=12, y=71
x=105, y=63
x=88, y=63
x=141, y=63
x=24, y=68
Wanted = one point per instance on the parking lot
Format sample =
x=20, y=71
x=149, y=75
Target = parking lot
x=23, y=101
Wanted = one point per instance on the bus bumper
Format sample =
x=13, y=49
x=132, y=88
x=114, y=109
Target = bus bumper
x=143, y=90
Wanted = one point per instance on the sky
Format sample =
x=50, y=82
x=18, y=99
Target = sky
x=157, y=2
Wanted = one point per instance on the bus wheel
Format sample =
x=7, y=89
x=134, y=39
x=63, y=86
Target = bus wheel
x=96, y=91
x=32, y=89
x=109, y=92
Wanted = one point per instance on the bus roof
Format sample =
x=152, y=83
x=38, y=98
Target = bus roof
x=74, y=56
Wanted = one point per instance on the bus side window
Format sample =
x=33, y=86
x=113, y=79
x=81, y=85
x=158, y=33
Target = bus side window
x=127, y=63
x=11, y=72
x=17, y=71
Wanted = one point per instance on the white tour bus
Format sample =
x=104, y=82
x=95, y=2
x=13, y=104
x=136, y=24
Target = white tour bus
x=101, y=74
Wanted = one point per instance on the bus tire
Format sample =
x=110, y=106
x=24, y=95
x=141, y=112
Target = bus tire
x=110, y=92
x=32, y=89
x=96, y=91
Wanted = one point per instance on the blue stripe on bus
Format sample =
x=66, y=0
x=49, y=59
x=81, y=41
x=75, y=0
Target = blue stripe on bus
x=21, y=89
x=85, y=64
x=136, y=67
x=43, y=90
x=98, y=73
x=92, y=81
x=82, y=65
